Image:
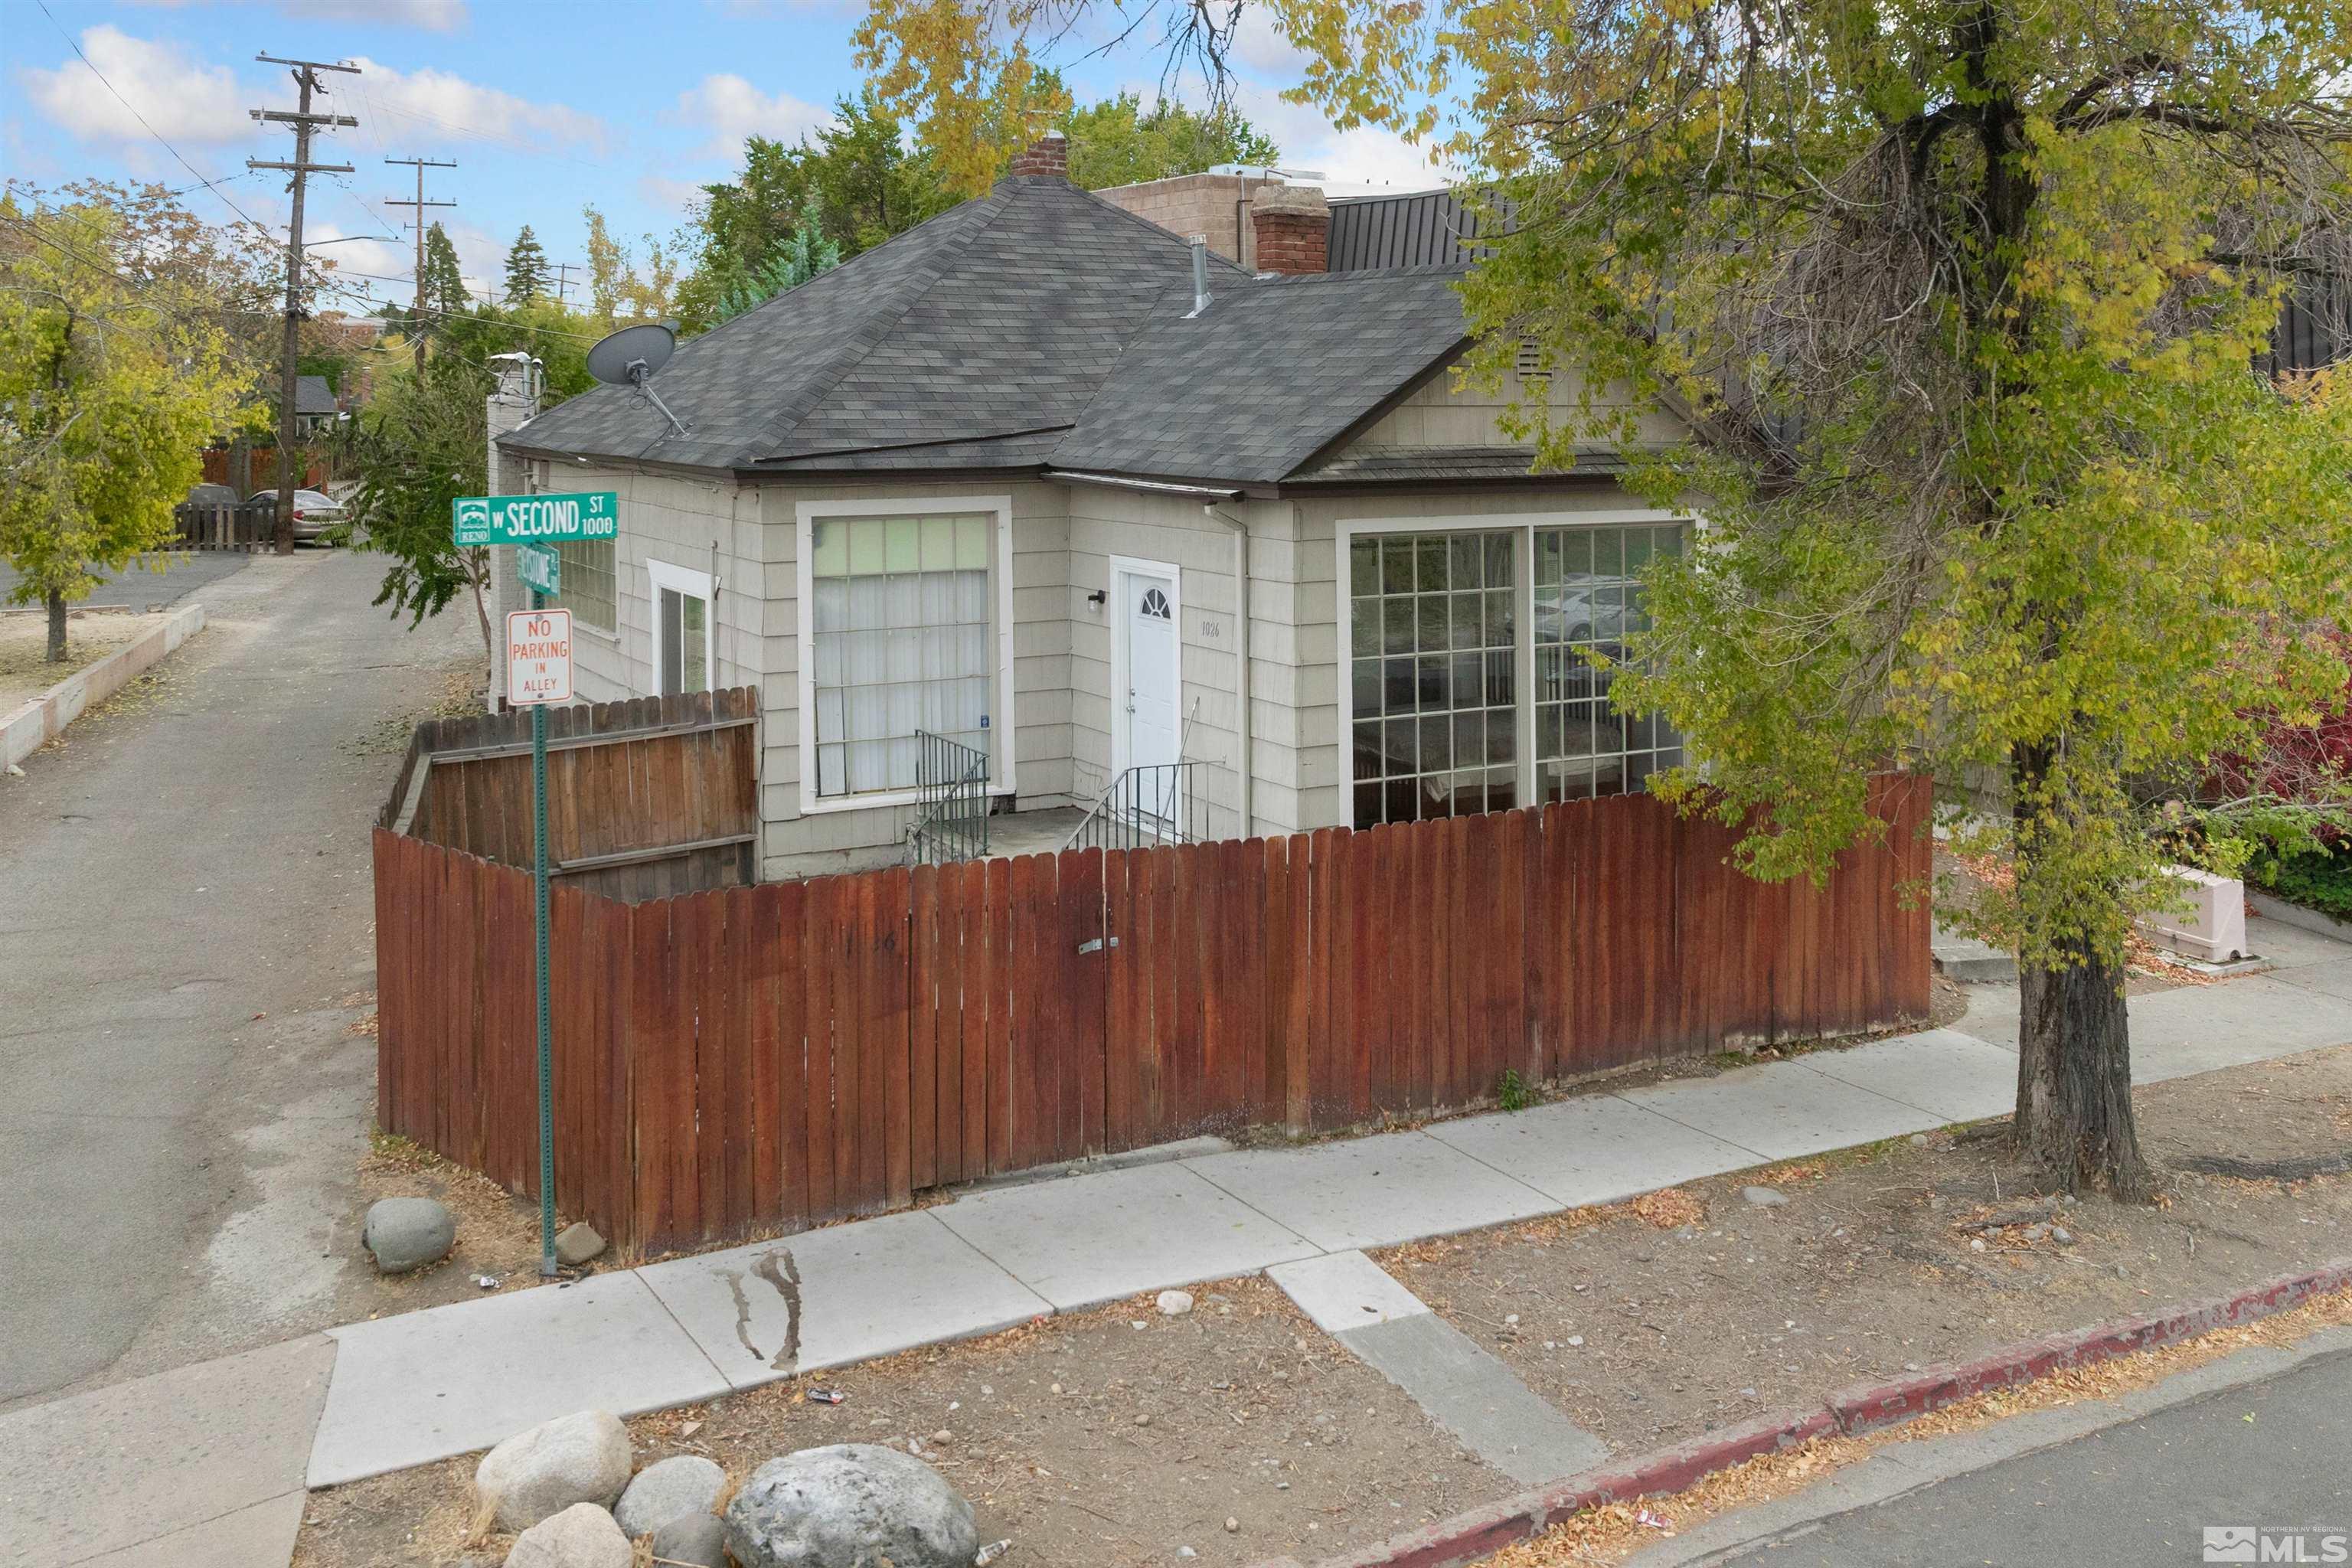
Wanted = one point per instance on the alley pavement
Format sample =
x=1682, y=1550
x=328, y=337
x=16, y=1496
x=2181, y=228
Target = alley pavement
x=184, y=911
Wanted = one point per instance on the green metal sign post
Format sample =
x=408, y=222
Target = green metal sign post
x=538, y=671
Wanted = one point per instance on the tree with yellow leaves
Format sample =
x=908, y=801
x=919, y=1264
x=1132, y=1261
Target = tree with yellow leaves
x=115, y=370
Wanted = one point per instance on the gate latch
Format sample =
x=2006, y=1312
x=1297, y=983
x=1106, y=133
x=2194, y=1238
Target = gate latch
x=1095, y=945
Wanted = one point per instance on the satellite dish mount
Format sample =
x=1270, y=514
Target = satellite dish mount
x=630, y=356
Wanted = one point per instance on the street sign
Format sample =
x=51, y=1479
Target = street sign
x=536, y=519
x=540, y=567
x=538, y=657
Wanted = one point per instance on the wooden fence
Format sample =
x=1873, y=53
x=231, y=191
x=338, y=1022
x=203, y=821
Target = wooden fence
x=646, y=798
x=248, y=525
x=775, y=1056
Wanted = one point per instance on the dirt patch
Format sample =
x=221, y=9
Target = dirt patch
x=1648, y=1326
x=1086, y=1440
x=91, y=635
x=498, y=1233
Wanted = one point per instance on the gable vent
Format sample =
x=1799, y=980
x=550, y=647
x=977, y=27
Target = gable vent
x=1529, y=365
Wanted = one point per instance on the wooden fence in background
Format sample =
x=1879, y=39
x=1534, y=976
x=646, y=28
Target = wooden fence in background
x=772, y=1057
x=650, y=797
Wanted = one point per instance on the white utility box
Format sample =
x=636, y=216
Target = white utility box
x=2212, y=930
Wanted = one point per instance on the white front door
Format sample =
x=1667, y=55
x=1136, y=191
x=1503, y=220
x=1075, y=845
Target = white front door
x=1146, y=699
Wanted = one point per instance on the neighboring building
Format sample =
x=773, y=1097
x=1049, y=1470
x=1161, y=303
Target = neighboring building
x=315, y=408
x=1005, y=480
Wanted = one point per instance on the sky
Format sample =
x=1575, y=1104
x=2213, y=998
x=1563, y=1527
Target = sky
x=545, y=106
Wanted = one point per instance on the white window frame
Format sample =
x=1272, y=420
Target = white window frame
x=661, y=575
x=1001, y=731
x=1523, y=526
x=1120, y=565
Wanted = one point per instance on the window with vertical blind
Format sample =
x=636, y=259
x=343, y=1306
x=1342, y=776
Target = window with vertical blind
x=901, y=641
x=1466, y=688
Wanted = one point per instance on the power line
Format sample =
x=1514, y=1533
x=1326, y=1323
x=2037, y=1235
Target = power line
x=207, y=181
x=420, y=204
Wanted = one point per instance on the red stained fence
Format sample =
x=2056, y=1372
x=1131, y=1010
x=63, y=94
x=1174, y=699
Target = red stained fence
x=768, y=1058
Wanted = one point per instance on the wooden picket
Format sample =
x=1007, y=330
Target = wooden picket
x=753, y=1058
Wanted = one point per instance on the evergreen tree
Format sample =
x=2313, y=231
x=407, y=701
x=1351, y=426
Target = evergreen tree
x=443, y=285
x=528, y=277
x=804, y=253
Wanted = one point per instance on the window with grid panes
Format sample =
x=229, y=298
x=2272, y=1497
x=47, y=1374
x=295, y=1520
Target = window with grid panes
x=1434, y=671
x=900, y=642
x=590, y=590
x=1588, y=598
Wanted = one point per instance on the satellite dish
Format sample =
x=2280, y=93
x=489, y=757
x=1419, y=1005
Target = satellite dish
x=630, y=356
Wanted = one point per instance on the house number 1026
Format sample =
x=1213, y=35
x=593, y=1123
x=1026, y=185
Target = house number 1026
x=1212, y=630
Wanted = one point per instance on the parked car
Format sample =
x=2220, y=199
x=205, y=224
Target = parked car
x=211, y=495
x=314, y=512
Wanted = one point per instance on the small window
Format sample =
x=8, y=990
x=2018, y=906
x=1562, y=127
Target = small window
x=1155, y=604
x=590, y=591
x=683, y=630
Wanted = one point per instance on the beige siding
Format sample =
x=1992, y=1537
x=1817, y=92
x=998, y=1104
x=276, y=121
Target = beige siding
x=1442, y=414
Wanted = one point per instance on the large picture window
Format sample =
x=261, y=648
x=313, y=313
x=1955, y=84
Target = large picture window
x=1466, y=691
x=899, y=638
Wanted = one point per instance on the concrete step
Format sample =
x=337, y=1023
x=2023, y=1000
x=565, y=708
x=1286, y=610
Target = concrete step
x=1970, y=962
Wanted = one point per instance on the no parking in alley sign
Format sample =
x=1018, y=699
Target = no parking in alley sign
x=538, y=657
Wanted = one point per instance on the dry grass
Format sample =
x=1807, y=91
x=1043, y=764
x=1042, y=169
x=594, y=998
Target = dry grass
x=25, y=669
x=1610, y=1533
x=491, y=1222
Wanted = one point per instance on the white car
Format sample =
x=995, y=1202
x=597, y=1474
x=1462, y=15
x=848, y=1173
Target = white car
x=314, y=512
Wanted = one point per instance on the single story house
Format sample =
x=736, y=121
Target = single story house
x=1042, y=479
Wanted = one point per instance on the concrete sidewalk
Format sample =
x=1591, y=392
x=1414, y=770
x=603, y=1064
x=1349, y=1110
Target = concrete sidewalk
x=410, y=1389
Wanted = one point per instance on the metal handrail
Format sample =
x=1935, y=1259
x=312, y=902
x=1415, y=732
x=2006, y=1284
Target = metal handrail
x=951, y=792
x=1141, y=807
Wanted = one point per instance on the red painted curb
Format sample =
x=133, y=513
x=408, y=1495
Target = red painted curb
x=1469, y=1537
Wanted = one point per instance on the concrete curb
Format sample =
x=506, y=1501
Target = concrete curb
x=2271, y=907
x=1467, y=1537
x=43, y=718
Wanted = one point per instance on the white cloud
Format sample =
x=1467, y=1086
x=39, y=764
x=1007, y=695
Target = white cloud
x=442, y=101
x=183, y=101
x=731, y=108
x=672, y=197
x=1365, y=158
x=1258, y=43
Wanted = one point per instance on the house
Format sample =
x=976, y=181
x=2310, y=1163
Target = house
x=315, y=407
x=1040, y=485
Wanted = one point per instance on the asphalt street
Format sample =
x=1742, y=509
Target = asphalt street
x=2269, y=1463
x=185, y=942
x=160, y=579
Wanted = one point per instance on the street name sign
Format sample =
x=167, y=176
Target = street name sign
x=536, y=519
x=538, y=657
x=540, y=567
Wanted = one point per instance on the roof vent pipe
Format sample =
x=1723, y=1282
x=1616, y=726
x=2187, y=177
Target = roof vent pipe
x=1199, y=276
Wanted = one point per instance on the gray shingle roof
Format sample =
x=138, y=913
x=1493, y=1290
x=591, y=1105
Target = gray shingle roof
x=313, y=395
x=1002, y=315
x=1268, y=376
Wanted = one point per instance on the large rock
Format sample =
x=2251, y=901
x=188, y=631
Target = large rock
x=582, y=1536
x=684, y=1483
x=577, y=1458
x=407, y=1233
x=577, y=1242
x=851, y=1506
x=699, y=1540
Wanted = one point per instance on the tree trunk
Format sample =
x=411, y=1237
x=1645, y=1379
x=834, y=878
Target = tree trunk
x=56, y=602
x=2073, y=1118
x=2074, y=1077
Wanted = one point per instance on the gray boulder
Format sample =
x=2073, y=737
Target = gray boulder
x=407, y=1233
x=684, y=1483
x=582, y=1536
x=577, y=1242
x=696, y=1539
x=851, y=1506
x=582, y=1458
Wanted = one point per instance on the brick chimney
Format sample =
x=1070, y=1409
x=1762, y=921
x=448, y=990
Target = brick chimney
x=1293, y=228
x=1048, y=157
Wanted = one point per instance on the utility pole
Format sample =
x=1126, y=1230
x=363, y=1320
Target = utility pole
x=306, y=76
x=563, y=272
x=416, y=327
